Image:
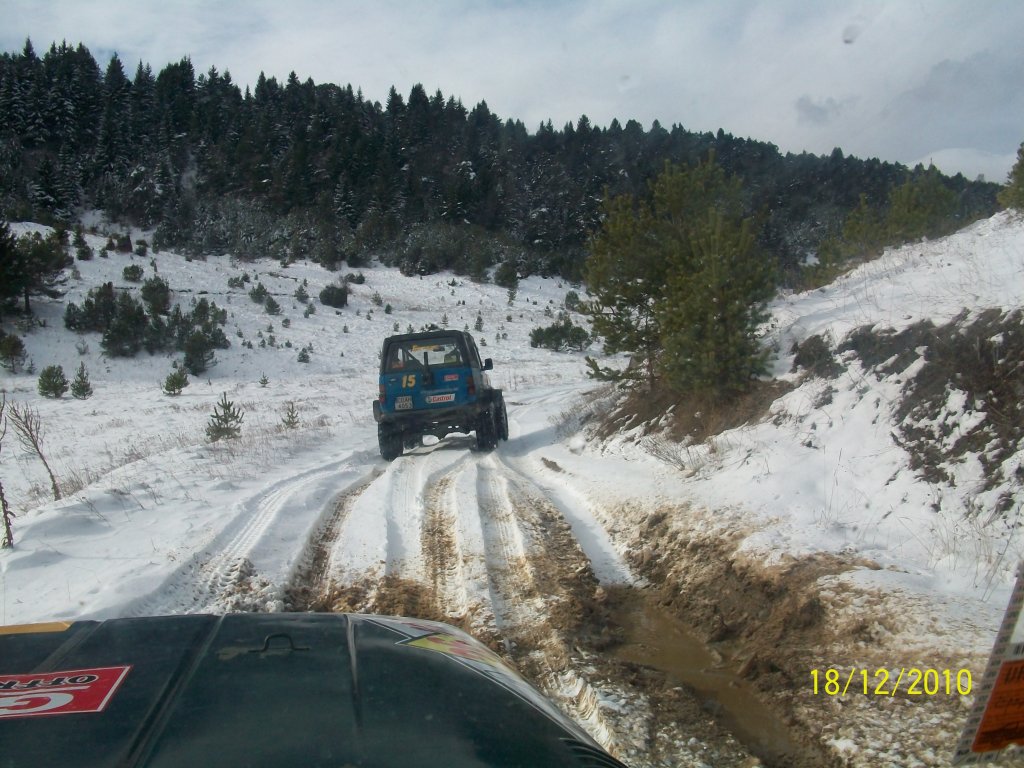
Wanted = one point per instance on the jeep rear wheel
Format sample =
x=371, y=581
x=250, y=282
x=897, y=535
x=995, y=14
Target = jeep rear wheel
x=390, y=441
x=486, y=437
x=500, y=416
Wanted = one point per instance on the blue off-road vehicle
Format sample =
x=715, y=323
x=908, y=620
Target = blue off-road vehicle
x=434, y=383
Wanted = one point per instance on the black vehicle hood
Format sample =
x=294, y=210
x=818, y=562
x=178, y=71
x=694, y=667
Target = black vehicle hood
x=261, y=690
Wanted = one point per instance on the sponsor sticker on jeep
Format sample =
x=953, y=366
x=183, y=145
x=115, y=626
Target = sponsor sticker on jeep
x=447, y=397
x=59, y=693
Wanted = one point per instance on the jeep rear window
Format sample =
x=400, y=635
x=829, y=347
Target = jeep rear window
x=417, y=354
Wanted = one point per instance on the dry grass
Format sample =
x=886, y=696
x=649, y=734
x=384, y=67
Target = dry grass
x=688, y=418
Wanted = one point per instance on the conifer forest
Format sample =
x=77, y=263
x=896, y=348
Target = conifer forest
x=298, y=170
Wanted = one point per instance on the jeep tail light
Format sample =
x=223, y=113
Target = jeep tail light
x=471, y=387
x=381, y=395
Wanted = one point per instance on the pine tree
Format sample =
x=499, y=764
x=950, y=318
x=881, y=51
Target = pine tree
x=176, y=381
x=290, y=420
x=639, y=244
x=863, y=233
x=1012, y=195
x=81, y=387
x=673, y=256
x=12, y=270
x=52, y=382
x=126, y=332
x=225, y=422
x=34, y=266
x=156, y=293
x=921, y=207
x=710, y=315
x=82, y=250
x=12, y=352
x=199, y=354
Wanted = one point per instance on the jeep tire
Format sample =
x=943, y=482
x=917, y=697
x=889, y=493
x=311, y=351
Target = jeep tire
x=486, y=436
x=500, y=416
x=390, y=440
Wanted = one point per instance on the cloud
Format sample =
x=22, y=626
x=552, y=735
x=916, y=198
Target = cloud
x=820, y=113
x=975, y=103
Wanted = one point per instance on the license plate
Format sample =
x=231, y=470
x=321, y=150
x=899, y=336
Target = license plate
x=403, y=403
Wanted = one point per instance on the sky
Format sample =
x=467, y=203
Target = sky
x=907, y=81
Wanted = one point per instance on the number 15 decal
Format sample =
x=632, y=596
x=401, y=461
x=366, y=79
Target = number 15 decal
x=409, y=381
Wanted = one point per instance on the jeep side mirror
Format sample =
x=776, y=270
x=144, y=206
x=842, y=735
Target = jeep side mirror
x=488, y=364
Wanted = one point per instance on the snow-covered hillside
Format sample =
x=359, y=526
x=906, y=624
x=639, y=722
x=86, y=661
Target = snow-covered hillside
x=521, y=546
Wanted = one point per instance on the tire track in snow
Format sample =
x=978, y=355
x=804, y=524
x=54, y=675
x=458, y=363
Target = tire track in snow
x=514, y=596
x=454, y=541
x=309, y=588
x=224, y=576
x=555, y=486
x=382, y=561
x=542, y=584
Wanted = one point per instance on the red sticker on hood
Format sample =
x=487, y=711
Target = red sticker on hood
x=59, y=693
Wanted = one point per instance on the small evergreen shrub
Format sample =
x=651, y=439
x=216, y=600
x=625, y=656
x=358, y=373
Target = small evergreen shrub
x=290, y=419
x=176, y=381
x=82, y=250
x=225, y=421
x=258, y=293
x=81, y=387
x=199, y=355
x=271, y=306
x=52, y=382
x=132, y=273
x=334, y=296
x=559, y=336
x=12, y=352
x=156, y=294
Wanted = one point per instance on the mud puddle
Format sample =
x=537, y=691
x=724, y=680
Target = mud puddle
x=653, y=638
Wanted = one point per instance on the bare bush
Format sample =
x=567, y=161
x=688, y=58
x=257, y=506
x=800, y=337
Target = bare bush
x=5, y=510
x=29, y=428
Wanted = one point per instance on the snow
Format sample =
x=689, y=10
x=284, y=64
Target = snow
x=156, y=502
x=156, y=520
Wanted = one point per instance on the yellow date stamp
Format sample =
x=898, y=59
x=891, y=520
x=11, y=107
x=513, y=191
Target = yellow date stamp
x=909, y=681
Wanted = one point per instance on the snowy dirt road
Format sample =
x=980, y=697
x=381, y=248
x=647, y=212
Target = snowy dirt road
x=581, y=563
x=509, y=545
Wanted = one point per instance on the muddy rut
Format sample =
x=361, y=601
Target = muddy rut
x=493, y=555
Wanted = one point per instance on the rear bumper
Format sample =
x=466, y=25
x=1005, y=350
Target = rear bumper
x=436, y=420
